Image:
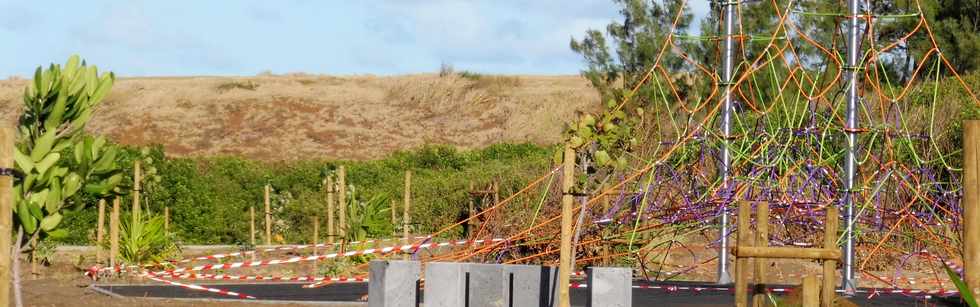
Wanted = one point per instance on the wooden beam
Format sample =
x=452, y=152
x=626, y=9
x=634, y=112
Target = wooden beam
x=114, y=232
x=827, y=293
x=7, y=138
x=166, y=219
x=330, y=209
x=564, y=259
x=971, y=204
x=137, y=177
x=251, y=232
x=759, y=298
x=742, y=238
x=342, y=202
x=406, y=211
x=787, y=252
x=811, y=291
x=268, y=216
x=100, y=232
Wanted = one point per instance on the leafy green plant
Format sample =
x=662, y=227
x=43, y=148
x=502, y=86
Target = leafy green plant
x=368, y=219
x=57, y=105
x=146, y=240
x=965, y=293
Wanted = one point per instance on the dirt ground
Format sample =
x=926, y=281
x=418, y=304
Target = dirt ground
x=284, y=117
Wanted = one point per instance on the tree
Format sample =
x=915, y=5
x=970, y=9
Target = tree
x=58, y=104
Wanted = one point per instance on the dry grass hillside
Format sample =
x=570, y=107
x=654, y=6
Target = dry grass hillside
x=311, y=116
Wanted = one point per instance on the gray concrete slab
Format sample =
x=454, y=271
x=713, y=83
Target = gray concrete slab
x=445, y=284
x=610, y=287
x=393, y=283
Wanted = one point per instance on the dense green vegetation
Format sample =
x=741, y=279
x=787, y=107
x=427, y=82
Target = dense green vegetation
x=209, y=197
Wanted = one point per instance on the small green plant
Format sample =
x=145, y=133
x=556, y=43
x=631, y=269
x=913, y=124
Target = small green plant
x=466, y=74
x=146, y=240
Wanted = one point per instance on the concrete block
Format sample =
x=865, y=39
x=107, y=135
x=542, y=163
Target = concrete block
x=393, y=283
x=610, y=287
x=525, y=285
x=549, y=283
x=445, y=284
x=488, y=286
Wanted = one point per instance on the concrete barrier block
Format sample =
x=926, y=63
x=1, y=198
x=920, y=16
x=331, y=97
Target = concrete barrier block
x=610, y=287
x=393, y=283
x=488, y=286
x=445, y=284
x=549, y=283
x=525, y=285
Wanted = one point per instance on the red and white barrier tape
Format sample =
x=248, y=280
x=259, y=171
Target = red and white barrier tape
x=265, y=278
x=872, y=292
x=130, y=268
x=385, y=250
x=199, y=288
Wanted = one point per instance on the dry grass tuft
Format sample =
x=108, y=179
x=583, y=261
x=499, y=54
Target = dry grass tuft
x=245, y=85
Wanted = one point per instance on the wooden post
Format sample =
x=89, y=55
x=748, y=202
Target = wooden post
x=342, y=202
x=6, y=212
x=827, y=293
x=742, y=263
x=394, y=218
x=100, y=232
x=759, y=298
x=316, y=240
x=406, y=211
x=470, y=223
x=251, y=232
x=137, y=174
x=330, y=209
x=565, y=257
x=166, y=219
x=268, y=216
x=114, y=232
x=971, y=205
x=811, y=291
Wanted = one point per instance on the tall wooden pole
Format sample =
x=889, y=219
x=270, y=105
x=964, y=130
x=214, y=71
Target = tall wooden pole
x=471, y=222
x=166, y=219
x=251, y=232
x=114, y=232
x=828, y=291
x=137, y=177
x=268, y=216
x=406, y=210
x=565, y=257
x=6, y=211
x=342, y=202
x=811, y=291
x=742, y=238
x=330, y=209
x=100, y=232
x=394, y=217
x=316, y=240
x=759, y=299
x=971, y=204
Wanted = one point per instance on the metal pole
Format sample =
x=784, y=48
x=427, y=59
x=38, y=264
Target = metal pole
x=726, y=129
x=850, y=166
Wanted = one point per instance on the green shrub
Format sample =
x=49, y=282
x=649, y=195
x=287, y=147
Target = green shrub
x=209, y=197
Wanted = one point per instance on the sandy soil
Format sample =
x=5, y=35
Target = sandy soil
x=312, y=116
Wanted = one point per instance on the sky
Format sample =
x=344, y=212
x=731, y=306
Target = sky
x=244, y=37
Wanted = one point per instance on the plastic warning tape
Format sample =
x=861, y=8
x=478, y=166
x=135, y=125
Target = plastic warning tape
x=872, y=292
x=266, y=278
x=127, y=268
x=199, y=288
x=401, y=248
